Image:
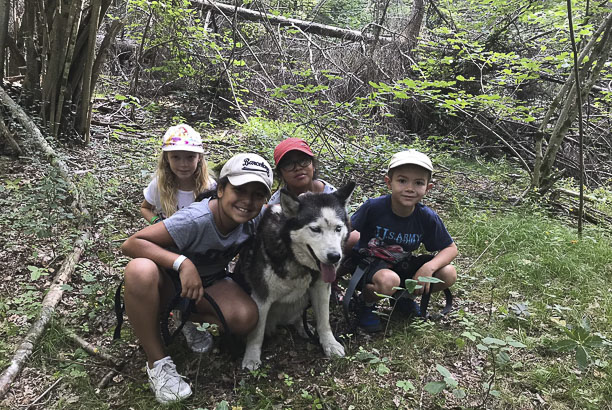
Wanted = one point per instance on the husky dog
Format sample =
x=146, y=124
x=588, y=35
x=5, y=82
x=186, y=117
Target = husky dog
x=292, y=260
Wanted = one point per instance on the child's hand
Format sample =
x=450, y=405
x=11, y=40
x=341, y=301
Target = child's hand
x=424, y=271
x=191, y=283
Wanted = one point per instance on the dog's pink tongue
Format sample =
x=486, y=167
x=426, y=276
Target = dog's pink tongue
x=328, y=272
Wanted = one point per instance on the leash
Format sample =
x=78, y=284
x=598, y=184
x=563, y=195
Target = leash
x=186, y=307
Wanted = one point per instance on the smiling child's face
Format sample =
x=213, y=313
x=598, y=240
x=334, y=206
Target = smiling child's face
x=408, y=185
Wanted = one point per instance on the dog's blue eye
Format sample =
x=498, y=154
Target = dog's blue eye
x=315, y=229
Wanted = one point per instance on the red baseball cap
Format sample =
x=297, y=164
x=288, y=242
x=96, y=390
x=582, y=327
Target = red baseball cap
x=291, y=144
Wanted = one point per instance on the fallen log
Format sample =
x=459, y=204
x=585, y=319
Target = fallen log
x=56, y=291
x=49, y=304
x=306, y=26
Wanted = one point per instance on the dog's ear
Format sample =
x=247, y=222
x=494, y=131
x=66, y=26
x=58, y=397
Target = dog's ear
x=345, y=192
x=289, y=203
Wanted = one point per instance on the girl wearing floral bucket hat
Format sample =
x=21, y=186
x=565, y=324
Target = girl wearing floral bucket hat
x=197, y=243
x=181, y=175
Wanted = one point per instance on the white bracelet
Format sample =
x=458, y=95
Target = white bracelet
x=177, y=262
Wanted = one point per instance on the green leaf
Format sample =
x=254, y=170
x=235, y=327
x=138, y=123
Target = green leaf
x=582, y=357
x=514, y=343
x=434, y=387
x=493, y=340
x=564, y=345
x=450, y=382
x=382, y=369
x=429, y=279
x=405, y=385
x=469, y=335
x=459, y=393
x=443, y=371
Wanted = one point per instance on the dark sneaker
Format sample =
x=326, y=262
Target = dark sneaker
x=408, y=307
x=368, y=319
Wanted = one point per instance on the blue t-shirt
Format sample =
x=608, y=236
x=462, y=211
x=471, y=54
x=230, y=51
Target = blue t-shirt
x=375, y=219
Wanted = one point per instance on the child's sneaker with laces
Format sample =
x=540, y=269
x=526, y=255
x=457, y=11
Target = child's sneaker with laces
x=198, y=341
x=368, y=319
x=166, y=383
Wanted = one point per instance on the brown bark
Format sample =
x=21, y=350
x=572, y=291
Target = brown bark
x=31, y=84
x=87, y=88
x=65, y=90
x=412, y=30
x=5, y=7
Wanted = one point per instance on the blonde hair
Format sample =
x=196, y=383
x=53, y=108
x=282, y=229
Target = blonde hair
x=167, y=185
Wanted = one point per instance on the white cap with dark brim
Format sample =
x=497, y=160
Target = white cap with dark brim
x=410, y=157
x=244, y=168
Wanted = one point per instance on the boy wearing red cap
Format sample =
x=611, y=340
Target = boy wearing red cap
x=401, y=219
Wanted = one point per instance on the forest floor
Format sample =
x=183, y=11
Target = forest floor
x=527, y=283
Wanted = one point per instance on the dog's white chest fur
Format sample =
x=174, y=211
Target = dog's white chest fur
x=294, y=261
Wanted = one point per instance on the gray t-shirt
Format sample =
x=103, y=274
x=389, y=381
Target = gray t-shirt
x=196, y=236
x=327, y=189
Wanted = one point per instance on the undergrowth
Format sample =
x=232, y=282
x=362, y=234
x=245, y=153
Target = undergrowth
x=531, y=326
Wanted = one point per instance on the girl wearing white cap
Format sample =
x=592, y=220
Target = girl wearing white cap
x=197, y=242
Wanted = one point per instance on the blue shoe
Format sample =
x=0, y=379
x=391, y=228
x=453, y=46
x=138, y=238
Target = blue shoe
x=408, y=307
x=368, y=320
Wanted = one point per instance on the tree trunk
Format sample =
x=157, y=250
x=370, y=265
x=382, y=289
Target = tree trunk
x=31, y=85
x=599, y=47
x=411, y=33
x=65, y=89
x=87, y=88
x=5, y=8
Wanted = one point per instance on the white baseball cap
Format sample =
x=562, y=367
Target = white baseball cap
x=412, y=157
x=244, y=168
x=182, y=138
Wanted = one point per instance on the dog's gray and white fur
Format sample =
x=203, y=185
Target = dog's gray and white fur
x=292, y=260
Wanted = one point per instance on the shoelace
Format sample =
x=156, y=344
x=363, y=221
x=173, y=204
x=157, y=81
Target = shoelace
x=168, y=373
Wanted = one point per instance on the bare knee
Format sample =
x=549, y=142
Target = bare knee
x=448, y=274
x=384, y=281
x=141, y=277
x=244, y=317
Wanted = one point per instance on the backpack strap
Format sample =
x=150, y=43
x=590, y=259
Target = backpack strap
x=363, y=267
x=119, y=309
x=425, y=303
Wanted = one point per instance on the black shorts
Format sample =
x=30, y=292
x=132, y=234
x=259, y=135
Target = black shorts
x=407, y=270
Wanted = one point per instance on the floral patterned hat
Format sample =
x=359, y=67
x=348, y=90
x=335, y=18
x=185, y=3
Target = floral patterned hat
x=182, y=138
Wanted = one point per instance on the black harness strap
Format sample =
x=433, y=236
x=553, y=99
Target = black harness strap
x=359, y=273
x=186, y=306
x=119, y=309
x=448, y=296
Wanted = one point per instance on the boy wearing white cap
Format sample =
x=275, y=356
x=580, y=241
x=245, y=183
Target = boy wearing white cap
x=196, y=242
x=401, y=219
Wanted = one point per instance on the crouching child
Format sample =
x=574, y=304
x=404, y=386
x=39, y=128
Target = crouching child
x=399, y=219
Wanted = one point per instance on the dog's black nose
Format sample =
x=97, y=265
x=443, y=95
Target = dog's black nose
x=333, y=257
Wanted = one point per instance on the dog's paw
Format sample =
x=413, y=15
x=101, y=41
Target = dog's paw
x=251, y=363
x=333, y=348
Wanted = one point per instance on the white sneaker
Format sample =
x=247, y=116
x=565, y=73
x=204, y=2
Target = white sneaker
x=198, y=341
x=166, y=383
